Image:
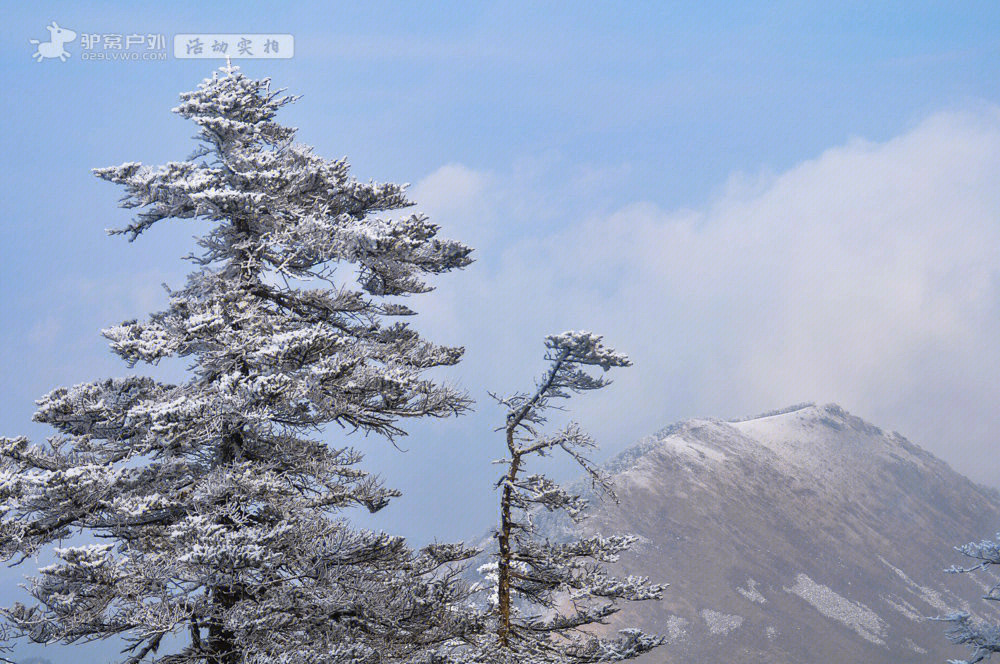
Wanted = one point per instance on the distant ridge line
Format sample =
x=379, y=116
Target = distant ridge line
x=777, y=411
x=624, y=459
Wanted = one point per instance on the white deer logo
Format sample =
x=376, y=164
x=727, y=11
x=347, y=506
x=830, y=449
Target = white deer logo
x=54, y=47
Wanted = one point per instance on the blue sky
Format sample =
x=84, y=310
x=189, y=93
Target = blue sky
x=763, y=204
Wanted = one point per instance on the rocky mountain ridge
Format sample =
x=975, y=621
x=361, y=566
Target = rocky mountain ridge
x=804, y=535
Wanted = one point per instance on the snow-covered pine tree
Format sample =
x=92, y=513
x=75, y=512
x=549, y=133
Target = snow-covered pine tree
x=210, y=510
x=981, y=638
x=546, y=596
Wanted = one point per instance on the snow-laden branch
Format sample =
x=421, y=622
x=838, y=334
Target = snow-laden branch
x=216, y=504
x=543, y=595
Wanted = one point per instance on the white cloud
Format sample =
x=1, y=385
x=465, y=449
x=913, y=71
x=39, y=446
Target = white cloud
x=451, y=189
x=458, y=193
x=867, y=276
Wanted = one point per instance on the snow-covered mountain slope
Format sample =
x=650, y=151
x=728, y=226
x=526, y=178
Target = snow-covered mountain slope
x=801, y=536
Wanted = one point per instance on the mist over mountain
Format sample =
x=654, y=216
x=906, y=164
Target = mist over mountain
x=801, y=536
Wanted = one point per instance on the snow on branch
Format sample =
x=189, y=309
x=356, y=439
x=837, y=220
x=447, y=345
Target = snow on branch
x=543, y=594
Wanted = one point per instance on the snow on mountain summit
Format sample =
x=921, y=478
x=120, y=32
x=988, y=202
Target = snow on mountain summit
x=797, y=536
x=812, y=436
x=826, y=441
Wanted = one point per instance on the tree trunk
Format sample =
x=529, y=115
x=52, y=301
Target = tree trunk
x=504, y=562
x=221, y=640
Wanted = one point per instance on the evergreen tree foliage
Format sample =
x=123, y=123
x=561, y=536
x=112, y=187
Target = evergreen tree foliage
x=981, y=638
x=208, y=514
x=548, y=599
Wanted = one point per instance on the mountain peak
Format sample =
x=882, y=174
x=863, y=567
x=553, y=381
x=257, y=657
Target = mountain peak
x=799, y=535
x=815, y=439
x=831, y=415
